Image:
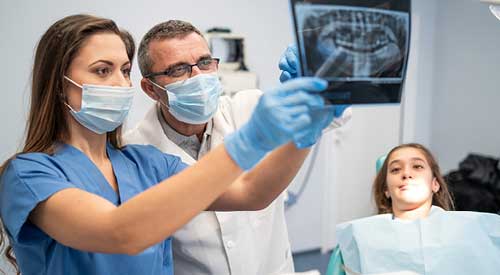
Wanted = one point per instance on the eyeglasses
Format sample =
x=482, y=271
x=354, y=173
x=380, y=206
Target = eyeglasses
x=207, y=65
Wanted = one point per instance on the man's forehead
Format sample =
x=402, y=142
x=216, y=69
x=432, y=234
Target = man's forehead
x=187, y=49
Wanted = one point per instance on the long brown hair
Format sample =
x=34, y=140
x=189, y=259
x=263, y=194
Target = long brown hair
x=47, y=124
x=442, y=198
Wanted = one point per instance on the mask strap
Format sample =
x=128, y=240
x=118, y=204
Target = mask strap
x=67, y=105
x=160, y=87
x=63, y=97
x=70, y=80
x=165, y=105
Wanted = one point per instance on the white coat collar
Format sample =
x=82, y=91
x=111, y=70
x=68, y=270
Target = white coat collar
x=152, y=132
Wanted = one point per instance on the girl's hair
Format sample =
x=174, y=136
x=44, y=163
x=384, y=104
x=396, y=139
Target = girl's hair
x=442, y=198
x=47, y=124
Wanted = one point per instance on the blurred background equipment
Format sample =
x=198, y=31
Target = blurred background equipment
x=494, y=7
x=475, y=186
x=233, y=72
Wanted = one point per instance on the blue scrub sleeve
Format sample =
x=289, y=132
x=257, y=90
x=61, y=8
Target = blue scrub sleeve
x=174, y=164
x=149, y=157
x=28, y=180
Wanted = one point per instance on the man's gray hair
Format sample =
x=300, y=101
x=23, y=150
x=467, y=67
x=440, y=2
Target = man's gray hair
x=165, y=30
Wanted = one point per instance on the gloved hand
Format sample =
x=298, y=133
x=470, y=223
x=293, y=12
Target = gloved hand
x=322, y=118
x=281, y=115
x=289, y=63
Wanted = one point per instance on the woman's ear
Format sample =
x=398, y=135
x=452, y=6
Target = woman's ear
x=387, y=195
x=435, y=185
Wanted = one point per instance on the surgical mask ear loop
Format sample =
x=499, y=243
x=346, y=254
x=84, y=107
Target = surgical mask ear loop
x=63, y=97
x=160, y=87
x=166, y=106
x=70, y=80
x=67, y=105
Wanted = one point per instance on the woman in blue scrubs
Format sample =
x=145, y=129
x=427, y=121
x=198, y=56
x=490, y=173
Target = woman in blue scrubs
x=74, y=201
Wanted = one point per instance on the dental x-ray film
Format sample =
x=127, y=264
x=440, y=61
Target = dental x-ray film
x=360, y=47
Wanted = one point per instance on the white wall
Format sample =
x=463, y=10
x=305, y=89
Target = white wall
x=418, y=97
x=466, y=86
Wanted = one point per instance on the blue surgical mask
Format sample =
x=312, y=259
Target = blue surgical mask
x=103, y=108
x=194, y=100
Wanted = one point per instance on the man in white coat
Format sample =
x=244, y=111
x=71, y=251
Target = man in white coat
x=176, y=63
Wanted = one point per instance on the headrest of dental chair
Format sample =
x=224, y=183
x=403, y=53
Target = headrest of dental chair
x=380, y=162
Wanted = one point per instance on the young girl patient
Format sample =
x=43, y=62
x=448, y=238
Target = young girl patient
x=416, y=232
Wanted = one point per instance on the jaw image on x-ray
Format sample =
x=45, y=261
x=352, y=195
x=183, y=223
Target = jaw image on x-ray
x=353, y=43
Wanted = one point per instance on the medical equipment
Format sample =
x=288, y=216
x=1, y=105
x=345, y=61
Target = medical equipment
x=361, y=48
x=380, y=163
x=494, y=7
x=228, y=47
x=233, y=72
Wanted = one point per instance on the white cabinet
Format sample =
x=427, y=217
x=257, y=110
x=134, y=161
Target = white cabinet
x=235, y=81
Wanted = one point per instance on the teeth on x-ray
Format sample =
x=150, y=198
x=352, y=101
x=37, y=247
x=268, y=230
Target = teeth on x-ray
x=353, y=42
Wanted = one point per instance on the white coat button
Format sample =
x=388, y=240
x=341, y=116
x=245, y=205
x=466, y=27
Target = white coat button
x=230, y=244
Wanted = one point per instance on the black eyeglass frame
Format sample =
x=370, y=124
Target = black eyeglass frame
x=168, y=71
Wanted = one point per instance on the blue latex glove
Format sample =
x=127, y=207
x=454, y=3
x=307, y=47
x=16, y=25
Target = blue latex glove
x=322, y=117
x=339, y=109
x=289, y=63
x=281, y=115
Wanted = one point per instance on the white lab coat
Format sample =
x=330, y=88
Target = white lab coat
x=237, y=243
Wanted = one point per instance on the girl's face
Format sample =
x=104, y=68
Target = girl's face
x=410, y=182
x=102, y=60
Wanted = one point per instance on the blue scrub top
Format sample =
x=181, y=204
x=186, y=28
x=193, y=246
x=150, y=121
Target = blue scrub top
x=32, y=178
